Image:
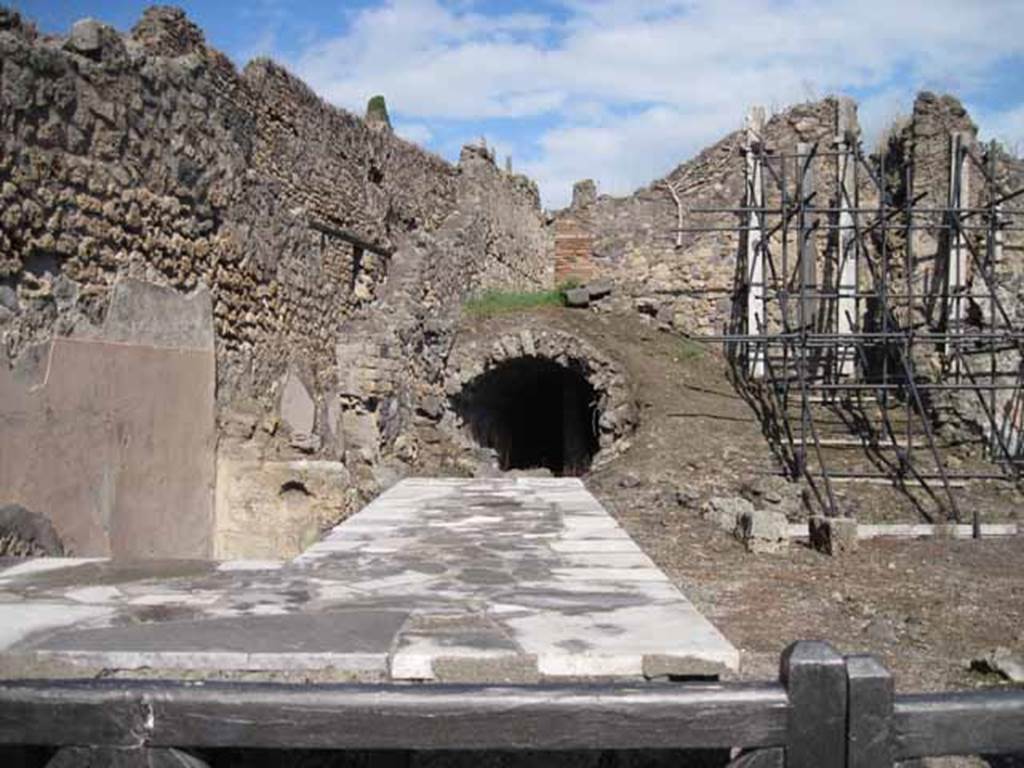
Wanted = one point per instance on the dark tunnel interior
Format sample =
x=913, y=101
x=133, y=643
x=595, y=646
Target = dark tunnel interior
x=534, y=413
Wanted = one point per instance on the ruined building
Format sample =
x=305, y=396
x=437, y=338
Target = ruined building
x=228, y=308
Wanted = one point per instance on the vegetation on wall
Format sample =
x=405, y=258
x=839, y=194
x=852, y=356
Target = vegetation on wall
x=497, y=302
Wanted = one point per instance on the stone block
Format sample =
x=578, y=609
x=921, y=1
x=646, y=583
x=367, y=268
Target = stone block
x=1001, y=661
x=8, y=298
x=431, y=406
x=598, y=290
x=577, y=297
x=274, y=509
x=763, y=532
x=666, y=666
x=95, y=40
x=86, y=37
x=24, y=533
x=584, y=193
x=725, y=511
x=777, y=494
x=360, y=430
x=833, y=535
x=298, y=411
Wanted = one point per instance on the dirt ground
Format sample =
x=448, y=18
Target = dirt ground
x=926, y=607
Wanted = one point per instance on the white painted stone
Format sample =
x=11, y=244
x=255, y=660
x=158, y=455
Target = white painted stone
x=545, y=578
x=229, y=566
x=607, y=574
x=94, y=595
x=594, y=545
x=177, y=598
x=609, y=560
x=19, y=620
x=361, y=663
x=45, y=564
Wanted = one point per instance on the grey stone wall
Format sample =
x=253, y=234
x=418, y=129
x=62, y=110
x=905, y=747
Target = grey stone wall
x=150, y=155
x=310, y=233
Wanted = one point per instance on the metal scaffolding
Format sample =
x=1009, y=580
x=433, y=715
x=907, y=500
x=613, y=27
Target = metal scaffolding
x=864, y=308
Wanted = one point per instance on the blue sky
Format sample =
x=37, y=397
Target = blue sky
x=617, y=90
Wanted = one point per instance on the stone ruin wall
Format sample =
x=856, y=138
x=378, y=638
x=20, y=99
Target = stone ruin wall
x=632, y=244
x=692, y=288
x=630, y=240
x=331, y=258
x=149, y=158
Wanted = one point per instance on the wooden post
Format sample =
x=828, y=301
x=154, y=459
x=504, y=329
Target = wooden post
x=815, y=678
x=869, y=714
x=757, y=322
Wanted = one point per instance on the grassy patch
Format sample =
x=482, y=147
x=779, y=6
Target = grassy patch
x=497, y=302
x=690, y=350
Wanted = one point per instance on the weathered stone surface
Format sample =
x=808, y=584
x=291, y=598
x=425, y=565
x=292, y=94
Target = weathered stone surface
x=577, y=297
x=489, y=581
x=141, y=312
x=763, y=532
x=136, y=440
x=298, y=411
x=629, y=242
x=89, y=37
x=24, y=533
x=276, y=509
x=1001, y=661
x=130, y=182
x=657, y=666
x=725, y=511
x=507, y=339
x=8, y=298
x=833, y=535
x=598, y=290
x=584, y=193
x=777, y=494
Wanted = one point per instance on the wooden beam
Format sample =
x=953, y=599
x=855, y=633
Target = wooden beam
x=650, y=716
x=772, y=757
x=963, y=723
x=121, y=757
x=351, y=237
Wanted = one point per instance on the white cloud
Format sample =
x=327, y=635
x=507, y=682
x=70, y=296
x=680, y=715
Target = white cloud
x=1006, y=126
x=418, y=133
x=625, y=154
x=628, y=88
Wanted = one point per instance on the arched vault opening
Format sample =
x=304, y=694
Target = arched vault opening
x=541, y=398
x=534, y=413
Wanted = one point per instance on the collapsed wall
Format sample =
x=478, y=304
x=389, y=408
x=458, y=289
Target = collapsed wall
x=148, y=159
x=692, y=281
x=687, y=283
x=687, y=280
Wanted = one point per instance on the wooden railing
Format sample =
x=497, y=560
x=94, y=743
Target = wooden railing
x=826, y=711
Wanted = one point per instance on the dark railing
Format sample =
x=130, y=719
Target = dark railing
x=826, y=711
